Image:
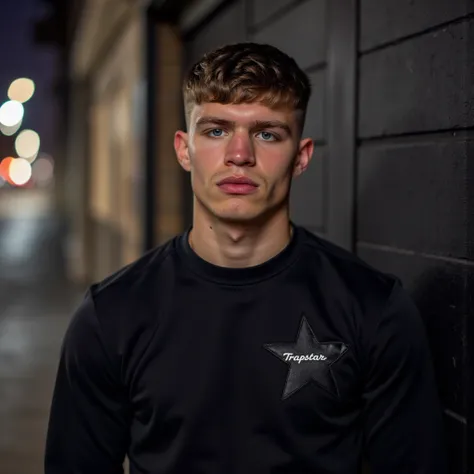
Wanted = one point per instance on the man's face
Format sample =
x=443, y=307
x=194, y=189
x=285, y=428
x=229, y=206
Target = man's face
x=242, y=158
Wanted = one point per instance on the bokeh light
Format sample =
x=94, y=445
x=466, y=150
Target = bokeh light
x=43, y=170
x=11, y=113
x=27, y=144
x=9, y=131
x=20, y=171
x=21, y=90
x=5, y=167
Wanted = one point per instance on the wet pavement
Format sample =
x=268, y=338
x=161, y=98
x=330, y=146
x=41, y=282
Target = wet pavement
x=36, y=302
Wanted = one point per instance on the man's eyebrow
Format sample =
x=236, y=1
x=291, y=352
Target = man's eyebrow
x=261, y=124
x=214, y=121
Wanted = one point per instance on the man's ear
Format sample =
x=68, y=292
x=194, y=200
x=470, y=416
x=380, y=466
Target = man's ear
x=303, y=157
x=181, y=147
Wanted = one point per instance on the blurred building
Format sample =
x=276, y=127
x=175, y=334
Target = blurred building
x=106, y=138
x=57, y=29
x=391, y=114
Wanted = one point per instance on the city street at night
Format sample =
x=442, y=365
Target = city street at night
x=34, y=311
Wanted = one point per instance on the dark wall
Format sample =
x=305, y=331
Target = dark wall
x=415, y=180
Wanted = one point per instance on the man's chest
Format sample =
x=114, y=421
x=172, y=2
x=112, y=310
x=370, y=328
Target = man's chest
x=269, y=357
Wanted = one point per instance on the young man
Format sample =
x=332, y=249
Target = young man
x=246, y=345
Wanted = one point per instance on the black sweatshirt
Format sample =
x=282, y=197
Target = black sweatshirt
x=304, y=364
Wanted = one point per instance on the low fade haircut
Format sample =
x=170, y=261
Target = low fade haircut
x=244, y=73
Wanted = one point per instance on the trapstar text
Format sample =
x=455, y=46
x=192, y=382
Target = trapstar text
x=300, y=358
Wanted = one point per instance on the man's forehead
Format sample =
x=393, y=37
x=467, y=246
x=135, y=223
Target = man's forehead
x=241, y=113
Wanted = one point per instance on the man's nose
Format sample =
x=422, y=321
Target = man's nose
x=240, y=150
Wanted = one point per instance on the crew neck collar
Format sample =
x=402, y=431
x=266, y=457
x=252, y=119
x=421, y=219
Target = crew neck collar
x=239, y=276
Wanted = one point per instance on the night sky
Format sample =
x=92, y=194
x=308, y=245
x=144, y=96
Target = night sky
x=20, y=57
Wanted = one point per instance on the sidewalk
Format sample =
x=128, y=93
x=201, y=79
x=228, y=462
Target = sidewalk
x=35, y=305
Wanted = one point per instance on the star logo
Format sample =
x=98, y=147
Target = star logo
x=309, y=360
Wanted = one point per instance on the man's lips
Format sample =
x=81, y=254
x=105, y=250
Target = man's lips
x=237, y=180
x=237, y=185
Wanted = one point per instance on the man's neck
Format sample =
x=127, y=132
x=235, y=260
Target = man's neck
x=239, y=245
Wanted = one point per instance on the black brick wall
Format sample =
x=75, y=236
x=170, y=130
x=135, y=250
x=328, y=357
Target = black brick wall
x=384, y=21
x=415, y=181
x=228, y=26
x=424, y=83
x=425, y=196
x=302, y=24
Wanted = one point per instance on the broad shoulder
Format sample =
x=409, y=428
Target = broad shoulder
x=125, y=303
x=134, y=278
x=346, y=275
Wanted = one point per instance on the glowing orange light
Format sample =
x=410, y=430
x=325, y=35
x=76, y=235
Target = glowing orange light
x=5, y=167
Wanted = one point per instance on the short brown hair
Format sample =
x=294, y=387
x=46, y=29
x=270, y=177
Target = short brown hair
x=246, y=73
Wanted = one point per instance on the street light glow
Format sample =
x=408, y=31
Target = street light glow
x=21, y=90
x=43, y=170
x=11, y=113
x=5, y=167
x=20, y=171
x=27, y=144
x=9, y=131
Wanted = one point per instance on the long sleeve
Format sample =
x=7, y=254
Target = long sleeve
x=403, y=419
x=89, y=421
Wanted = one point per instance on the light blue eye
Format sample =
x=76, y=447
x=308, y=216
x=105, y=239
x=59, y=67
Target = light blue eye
x=219, y=133
x=267, y=136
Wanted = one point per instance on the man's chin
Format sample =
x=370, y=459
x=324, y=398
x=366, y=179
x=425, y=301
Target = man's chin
x=238, y=217
x=242, y=215
x=238, y=211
